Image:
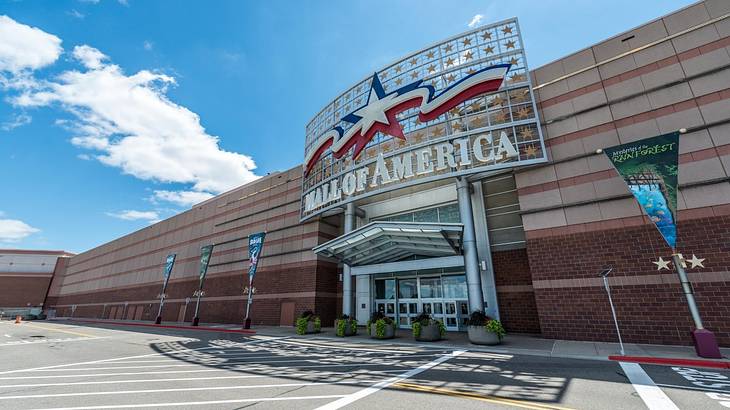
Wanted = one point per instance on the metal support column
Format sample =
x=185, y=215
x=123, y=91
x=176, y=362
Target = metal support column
x=346, y=273
x=687, y=288
x=471, y=258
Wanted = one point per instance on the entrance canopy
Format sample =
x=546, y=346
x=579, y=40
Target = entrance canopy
x=383, y=242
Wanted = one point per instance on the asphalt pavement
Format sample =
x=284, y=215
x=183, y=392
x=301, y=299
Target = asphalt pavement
x=67, y=365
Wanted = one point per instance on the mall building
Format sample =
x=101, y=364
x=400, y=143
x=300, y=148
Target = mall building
x=457, y=179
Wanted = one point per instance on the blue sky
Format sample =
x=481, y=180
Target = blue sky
x=115, y=114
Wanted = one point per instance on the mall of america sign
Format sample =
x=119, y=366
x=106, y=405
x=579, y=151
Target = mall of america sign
x=459, y=107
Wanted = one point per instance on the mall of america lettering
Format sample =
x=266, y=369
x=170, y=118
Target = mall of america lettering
x=400, y=167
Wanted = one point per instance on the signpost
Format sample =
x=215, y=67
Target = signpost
x=650, y=169
x=255, y=244
x=205, y=254
x=169, y=263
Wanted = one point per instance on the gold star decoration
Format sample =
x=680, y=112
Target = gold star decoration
x=450, y=78
x=486, y=36
x=430, y=54
x=457, y=126
x=477, y=122
x=696, y=262
x=523, y=112
x=514, y=61
x=519, y=95
x=384, y=74
x=471, y=71
x=507, y=30
x=448, y=48
x=509, y=44
x=397, y=68
x=434, y=83
x=418, y=121
x=527, y=133
x=417, y=137
x=414, y=75
x=358, y=101
x=449, y=62
x=531, y=151
x=432, y=68
x=468, y=56
x=475, y=106
x=454, y=112
x=500, y=116
x=347, y=107
x=359, y=88
x=661, y=264
x=516, y=78
x=398, y=81
x=466, y=42
x=489, y=49
x=498, y=100
x=413, y=61
x=438, y=132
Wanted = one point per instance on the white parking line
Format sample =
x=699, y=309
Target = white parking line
x=349, y=399
x=195, y=403
x=186, y=389
x=653, y=396
x=55, y=340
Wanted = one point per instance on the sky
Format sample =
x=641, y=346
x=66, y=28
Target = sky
x=115, y=114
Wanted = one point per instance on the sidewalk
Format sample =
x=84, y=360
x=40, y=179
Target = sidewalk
x=533, y=345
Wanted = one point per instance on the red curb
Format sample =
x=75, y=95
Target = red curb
x=207, y=329
x=673, y=362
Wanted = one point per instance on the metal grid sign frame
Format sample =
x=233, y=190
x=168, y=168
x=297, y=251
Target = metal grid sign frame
x=492, y=130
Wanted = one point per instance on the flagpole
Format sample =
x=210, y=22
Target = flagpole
x=247, y=321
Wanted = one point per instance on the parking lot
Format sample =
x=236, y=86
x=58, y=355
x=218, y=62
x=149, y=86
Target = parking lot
x=54, y=365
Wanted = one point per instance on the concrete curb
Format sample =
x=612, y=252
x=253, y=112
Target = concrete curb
x=666, y=361
x=200, y=328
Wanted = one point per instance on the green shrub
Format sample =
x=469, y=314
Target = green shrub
x=341, y=325
x=304, y=319
x=493, y=325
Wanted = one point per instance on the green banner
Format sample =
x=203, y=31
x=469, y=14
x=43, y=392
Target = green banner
x=255, y=244
x=169, y=263
x=649, y=168
x=205, y=254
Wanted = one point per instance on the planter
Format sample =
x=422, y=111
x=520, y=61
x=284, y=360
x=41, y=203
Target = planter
x=481, y=336
x=349, y=331
x=429, y=333
x=389, y=331
x=311, y=328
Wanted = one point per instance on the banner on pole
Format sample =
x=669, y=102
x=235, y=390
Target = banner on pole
x=649, y=168
x=169, y=262
x=255, y=244
x=205, y=254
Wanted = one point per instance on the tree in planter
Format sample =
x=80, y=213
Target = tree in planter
x=485, y=330
x=345, y=326
x=308, y=322
x=425, y=321
x=384, y=326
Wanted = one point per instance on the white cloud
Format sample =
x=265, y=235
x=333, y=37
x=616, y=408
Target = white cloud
x=13, y=230
x=90, y=1
x=17, y=120
x=181, y=198
x=76, y=13
x=131, y=123
x=475, y=20
x=124, y=2
x=148, y=45
x=24, y=47
x=132, y=215
x=89, y=56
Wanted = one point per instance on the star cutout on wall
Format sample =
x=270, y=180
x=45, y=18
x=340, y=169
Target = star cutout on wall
x=498, y=100
x=451, y=78
x=662, y=264
x=457, y=126
x=448, y=48
x=434, y=83
x=527, y=133
x=466, y=42
x=398, y=81
x=516, y=78
x=477, y=122
x=430, y=54
x=414, y=75
x=455, y=112
x=500, y=116
x=449, y=62
x=486, y=36
x=471, y=71
x=489, y=49
x=523, y=112
x=417, y=136
x=438, y=132
x=507, y=30
x=514, y=61
x=696, y=262
x=413, y=61
x=475, y=106
x=397, y=68
x=468, y=55
x=384, y=75
x=531, y=151
x=432, y=68
x=509, y=44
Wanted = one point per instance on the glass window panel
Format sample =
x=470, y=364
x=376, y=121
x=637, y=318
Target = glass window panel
x=450, y=308
x=430, y=288
x=407, y=288
x=403, y=321
x=427, y=308
x=390, y=308
x=402, y=218
x=403, y=308
x=464, y=308
x=449, y=213
x=438, y=308
x=451, y=321
x=426, y=215
x=381, y=308
x=454, y=286
x=413, y=308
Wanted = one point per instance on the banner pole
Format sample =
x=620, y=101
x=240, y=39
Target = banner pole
x=688, y=293
x=206, y=252
x=196, y=319
x=169, y=264
x=247, y=321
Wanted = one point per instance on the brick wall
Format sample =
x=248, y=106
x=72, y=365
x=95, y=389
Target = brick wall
x=517, y=308
x=650, y=305
x=19, y=291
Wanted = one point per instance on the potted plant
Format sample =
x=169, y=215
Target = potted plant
x=483, y=330
x=380, y=326
x=428, y=329
x=345, y=326
x=308, y=322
